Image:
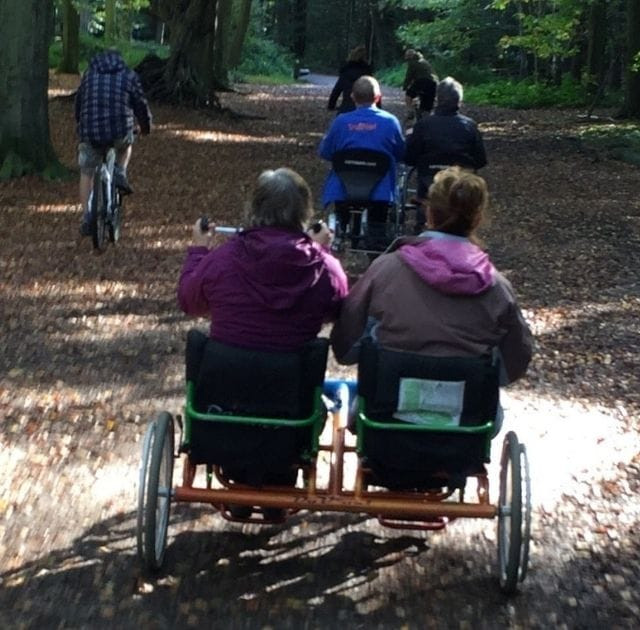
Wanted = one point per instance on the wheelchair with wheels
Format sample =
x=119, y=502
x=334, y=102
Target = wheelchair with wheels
x=359, y=223
x=252, y=433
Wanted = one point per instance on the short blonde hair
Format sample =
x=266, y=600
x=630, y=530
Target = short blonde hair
x=281, y=198
x=457, y=201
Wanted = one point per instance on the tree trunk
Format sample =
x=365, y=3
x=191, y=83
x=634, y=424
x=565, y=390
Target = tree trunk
x=300, y=28
x=632, y=87
x=70, y=38
x=596, y=63
x=110, y=21
x=25, y=144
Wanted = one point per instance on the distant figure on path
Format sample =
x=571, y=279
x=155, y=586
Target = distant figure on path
x=356, y=66
x=419, y=82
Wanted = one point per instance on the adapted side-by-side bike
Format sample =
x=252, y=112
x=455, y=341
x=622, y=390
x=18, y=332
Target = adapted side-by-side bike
x=253, y=431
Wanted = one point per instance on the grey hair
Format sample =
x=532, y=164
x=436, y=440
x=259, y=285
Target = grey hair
x=281, y=198
x=365, y=90
x=449, y=92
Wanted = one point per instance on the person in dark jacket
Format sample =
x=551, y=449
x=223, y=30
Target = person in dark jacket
x=355, y=67
x=445, y=138
x=108, y=103
x=419, y=82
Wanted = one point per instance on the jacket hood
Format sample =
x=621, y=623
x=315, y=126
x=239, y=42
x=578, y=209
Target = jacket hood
x=278, y=265
x=108, y=62
x=454, y=266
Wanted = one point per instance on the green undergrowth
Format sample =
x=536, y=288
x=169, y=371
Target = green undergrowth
x=620, y=141
x=133, y=52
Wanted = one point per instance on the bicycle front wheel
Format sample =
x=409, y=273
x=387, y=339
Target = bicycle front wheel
x=98, y=209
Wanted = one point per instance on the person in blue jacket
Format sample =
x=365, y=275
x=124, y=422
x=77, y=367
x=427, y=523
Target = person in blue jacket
x=366, y=127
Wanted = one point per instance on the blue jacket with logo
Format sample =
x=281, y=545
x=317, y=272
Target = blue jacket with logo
x=110, y=96
x=367, y=127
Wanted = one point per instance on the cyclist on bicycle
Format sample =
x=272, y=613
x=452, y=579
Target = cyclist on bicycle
x=419, y=82
x=108, y=103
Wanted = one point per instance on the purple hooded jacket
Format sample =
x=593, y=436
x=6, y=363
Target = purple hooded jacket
x=266, y=288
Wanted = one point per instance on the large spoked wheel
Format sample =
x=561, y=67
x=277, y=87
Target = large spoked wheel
x=98, y=209
x=116, y=216
x=514, y=514
x=154, y=492
x=409, y=206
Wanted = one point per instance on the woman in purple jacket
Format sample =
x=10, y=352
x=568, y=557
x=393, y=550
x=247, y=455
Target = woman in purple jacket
x=273, y=285
x=270, y=287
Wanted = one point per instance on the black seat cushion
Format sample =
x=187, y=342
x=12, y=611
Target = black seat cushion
x=360, y=171
x=238, y=381
x=411, y=458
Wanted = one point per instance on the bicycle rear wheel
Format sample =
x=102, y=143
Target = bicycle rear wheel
x=115, y=220
x=98, y=210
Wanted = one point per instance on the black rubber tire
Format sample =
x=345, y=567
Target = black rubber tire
x=98, y=213
x=152, y=533
x=510, y=515
x=409, y=190
x=526, y=524
x=116, y=216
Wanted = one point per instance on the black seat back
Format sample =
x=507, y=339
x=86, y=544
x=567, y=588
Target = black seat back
x=380, y=371
x=360, y=171
x=236, y=381
x=411, y=458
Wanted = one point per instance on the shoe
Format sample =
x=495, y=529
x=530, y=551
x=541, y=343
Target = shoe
x=241, y=512
x=274, y=514
x=122, y=183
x=85, y=228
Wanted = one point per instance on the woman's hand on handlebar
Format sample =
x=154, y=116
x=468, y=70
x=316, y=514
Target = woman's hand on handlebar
x=203, y=237
x=321, y=234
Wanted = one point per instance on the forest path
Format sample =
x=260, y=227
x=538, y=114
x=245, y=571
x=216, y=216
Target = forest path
x=92, y=347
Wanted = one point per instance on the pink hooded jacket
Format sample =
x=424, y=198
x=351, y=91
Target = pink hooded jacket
x=440, y=296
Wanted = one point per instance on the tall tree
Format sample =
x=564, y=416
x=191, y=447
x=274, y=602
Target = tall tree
x=110, y=21
x=200, y=31
x=632, y=86
x=70, y=38
x=25, y=144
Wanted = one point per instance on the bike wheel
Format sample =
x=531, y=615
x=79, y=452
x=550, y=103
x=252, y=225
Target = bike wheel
x=98, y=213
x=154, y=492
x=115, y=220
x=410, y=206
x=514, y=516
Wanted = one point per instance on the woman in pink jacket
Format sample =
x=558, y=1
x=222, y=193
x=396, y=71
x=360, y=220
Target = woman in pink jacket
x=438, y=293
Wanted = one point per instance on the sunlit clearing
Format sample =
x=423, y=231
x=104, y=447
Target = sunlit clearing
x=56, y=92
x=566, y=441
x=552, y=319
x=112, y=480
x=72, y=288
x=55, y=208
x=231, y=138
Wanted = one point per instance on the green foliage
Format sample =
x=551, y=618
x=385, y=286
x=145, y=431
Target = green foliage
x=617, y=141
x=528, y=94
x=458, y=30
x=545, y=36
x=132, y=52
x=262, y=58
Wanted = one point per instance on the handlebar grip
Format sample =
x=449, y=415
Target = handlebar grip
x=204, y=224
